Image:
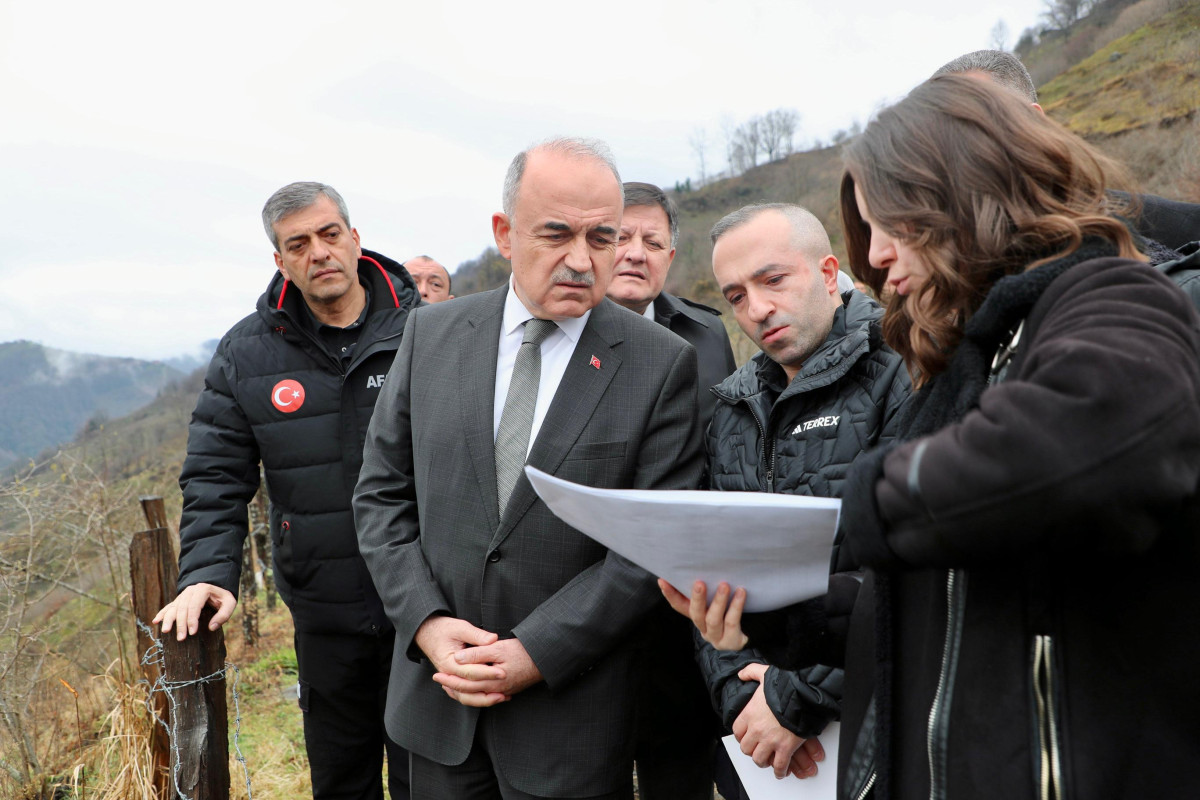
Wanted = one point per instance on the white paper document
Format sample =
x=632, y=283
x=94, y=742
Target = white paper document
x=777, y=546
x=760, y=782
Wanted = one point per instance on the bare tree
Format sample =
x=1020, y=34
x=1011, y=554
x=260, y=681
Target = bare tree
x=743, y=144
x=1062, y=14
x=751, y=139
x=998, y=38
x=789, y=121
x=771, y=136
x=777, y=131
x=729, y=131
x=699, y=143
x=739, y=159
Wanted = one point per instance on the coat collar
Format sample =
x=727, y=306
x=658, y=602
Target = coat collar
x=390, y=284
x=668, y=306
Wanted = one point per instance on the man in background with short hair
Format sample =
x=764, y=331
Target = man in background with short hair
x=645, y=251
x=433, y=280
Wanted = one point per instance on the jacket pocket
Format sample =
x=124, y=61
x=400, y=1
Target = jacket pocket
x=596, y=451
x=281, y=547
x=1048, y=762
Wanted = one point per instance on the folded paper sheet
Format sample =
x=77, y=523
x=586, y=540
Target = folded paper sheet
x=776, y=546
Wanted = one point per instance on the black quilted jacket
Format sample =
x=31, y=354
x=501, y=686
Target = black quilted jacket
x=310, y=446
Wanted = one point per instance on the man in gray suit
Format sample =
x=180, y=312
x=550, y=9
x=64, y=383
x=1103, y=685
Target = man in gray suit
x=514, y=656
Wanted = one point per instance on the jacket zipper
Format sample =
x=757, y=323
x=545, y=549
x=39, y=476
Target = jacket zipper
x=768, y=446
x=939, y=728
x=771, y=467
x=1050, y=777
x=762, y=432
x=870, y=784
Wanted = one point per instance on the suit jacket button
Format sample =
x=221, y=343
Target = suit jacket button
x=494, y=556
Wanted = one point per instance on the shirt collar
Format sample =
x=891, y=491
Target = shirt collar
x=315, y=325
x=516, y=315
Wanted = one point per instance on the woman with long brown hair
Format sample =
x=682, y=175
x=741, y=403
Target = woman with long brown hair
x=1032, y=543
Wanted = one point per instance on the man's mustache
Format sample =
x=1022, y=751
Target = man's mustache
x=568, y=275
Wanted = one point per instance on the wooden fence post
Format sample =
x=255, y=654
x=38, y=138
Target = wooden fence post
x=153, y=575
x=201, y=725
x=194, y=667
x=155, y=511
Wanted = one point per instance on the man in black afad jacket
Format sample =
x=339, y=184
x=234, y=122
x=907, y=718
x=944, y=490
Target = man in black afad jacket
x=792, y=419
x=677, y=733
x=293, y=386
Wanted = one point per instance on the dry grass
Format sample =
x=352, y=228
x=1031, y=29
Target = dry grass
x=122, y=759
x=1162, y=161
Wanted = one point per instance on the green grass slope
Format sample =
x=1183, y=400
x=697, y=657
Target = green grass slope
x=1150, y=77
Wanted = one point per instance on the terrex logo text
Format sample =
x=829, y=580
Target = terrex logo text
x=819, y=422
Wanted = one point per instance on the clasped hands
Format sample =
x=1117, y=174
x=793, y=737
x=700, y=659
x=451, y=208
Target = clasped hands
x=474, y=666
x=756, y=729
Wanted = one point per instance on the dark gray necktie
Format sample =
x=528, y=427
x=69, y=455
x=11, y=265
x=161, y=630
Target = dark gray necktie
x=512, y=439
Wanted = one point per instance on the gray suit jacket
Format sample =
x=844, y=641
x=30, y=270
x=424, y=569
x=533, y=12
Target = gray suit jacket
x=428, y=526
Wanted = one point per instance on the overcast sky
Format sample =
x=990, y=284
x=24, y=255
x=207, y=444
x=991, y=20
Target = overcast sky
x=139, y=140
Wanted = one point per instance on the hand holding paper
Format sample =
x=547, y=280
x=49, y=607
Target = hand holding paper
x=721, y=626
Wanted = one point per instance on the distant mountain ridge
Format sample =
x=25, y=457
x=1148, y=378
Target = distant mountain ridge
x=48, y=395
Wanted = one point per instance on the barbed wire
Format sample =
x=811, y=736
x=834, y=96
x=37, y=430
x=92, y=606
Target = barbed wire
x=155, y=655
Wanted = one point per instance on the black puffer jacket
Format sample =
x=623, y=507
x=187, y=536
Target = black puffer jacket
x=311, y=455
x=799, y=439
x=1034, y=551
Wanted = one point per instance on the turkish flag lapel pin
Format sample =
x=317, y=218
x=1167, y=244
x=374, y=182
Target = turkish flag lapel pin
x=595, y=362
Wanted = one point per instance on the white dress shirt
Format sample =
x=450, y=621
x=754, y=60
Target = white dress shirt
x=557, y=349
